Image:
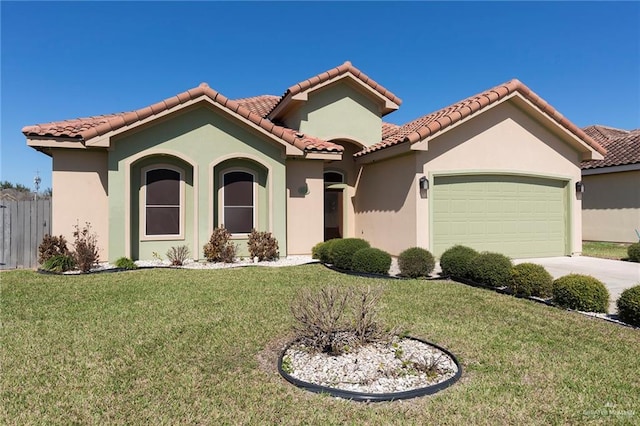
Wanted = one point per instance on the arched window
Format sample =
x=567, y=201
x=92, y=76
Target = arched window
x=162, y=201
x=238, y=201
x=333, y=177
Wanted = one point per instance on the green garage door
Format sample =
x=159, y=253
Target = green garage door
x=514, y=215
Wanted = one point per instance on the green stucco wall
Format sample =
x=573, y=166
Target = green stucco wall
x=339, y=111
x=202, y=140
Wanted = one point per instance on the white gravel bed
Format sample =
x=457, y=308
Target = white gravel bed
x=191, y=264
x=374, y=368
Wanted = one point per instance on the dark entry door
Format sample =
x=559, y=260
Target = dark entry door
x=333, y=226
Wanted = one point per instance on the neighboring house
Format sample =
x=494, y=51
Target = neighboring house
x=496, y=171
x=611, y=201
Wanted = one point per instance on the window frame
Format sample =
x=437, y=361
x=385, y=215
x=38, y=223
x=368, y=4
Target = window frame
x=221, y=205
x=143, y=203
x=337, y=172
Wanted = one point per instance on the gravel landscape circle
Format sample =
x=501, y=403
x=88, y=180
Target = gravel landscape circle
x=367, y=396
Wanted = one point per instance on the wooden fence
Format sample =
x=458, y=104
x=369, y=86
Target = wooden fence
x=24, y=224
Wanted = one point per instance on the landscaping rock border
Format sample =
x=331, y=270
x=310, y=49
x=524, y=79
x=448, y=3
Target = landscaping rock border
x=375, y=397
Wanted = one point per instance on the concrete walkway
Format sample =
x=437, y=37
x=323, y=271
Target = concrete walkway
x=615, y=274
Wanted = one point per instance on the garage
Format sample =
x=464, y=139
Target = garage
x=519, y=216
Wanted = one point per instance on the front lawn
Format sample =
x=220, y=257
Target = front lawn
x=198, y=347
x=615, y=251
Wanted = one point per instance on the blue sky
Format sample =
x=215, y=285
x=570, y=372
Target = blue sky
x=63, y=60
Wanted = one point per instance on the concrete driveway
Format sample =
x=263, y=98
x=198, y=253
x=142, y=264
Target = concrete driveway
x=615, y=274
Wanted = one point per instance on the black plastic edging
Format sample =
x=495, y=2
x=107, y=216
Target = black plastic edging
x=371, y=275
x=374, y=397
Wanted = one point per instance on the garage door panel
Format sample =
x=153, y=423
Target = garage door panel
x=515, y=215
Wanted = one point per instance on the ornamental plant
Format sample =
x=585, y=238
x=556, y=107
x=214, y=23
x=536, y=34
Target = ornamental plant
x=335, y=319
x=581, y=292
x=529, y=279
x=178, y=255
x=416, y=262
x=633, y=251
x=629, y=306
x=455, y=261
x=52, y=246
x=371, y=261
x=219, y=248
x=263, y=245
x=492, y=269
x=85, y=247
x=342, y=250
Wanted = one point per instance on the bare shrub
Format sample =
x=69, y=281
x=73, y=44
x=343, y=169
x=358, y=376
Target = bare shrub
x=85, y=247
x=337, y=319
x=178, y=255
x=219, y=248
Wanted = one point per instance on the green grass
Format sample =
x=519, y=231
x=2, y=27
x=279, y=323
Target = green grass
x=616, y=251
x=199, y=347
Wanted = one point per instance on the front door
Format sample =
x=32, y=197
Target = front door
x=332, y=214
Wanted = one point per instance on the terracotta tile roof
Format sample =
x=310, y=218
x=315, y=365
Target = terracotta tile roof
x=335, y=72
x=87, y=128
x=389, y=129
x=604, y=133
x=437, y=121
x=259, y=104
x=623, y=146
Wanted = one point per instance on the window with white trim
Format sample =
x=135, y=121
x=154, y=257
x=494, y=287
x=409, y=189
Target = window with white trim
x=163, y=188
x=238, y=201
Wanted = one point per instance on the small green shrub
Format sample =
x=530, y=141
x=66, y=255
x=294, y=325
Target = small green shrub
x=318, y=250
x=52, y=246
x=371, y=261
x=125, y=263
x=178, y=255
x=455, y=261
x=85, y=247
x=492, y=269
x=416, y=262
x=322, y=251
x=59, y=263
x=629, y=306
x=219, y=248
x=529, y=279
x=262, y=245
x=581, y=292
x=341, y=251
x=633, y=251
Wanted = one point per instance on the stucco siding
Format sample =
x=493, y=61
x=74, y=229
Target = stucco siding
x=611, y=207
x=339, y=111
x=305, y=198
x=79, y=182
x=504, y=139
x=386, y=204
x=206, y=140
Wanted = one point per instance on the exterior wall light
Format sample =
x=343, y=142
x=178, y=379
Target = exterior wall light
x=579, y=187
x=424, y=183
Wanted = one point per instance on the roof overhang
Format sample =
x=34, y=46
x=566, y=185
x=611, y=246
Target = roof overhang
x=587, y=152
x=611, y=169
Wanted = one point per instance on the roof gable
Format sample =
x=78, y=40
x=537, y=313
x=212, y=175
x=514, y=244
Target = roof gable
x=299, y=92
x=97, y=130
x=432, y=125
